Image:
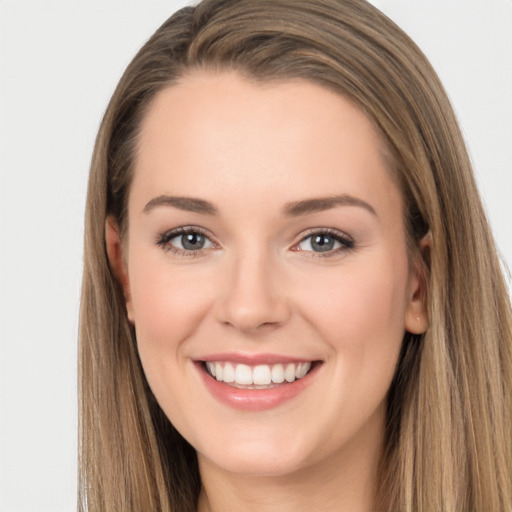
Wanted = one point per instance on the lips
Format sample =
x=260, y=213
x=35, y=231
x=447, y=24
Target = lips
x=256, y=383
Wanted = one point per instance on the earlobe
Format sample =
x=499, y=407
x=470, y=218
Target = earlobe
x=117, y=261
x=416, y=318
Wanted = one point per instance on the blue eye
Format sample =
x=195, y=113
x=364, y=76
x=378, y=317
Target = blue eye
x=325, y=242
x=184, y=240
x=190, y=241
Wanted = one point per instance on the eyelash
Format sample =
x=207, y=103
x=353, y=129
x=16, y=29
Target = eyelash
x=347, y=243
x=163, y=240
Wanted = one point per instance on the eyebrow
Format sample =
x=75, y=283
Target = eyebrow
x=189, y=204
x=293, y=209
x=320, y=204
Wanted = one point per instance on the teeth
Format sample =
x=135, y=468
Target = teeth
x=301, y=370
x=211, y=368
x=243, y=374
x=278, y=373
x=260, y=375
x=219, y=371
x=289, y=373
x=229, y=373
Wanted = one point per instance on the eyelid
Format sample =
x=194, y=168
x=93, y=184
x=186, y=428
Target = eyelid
x=163, y=239
x=343, y=238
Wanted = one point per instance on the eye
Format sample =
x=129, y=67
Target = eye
x=325, y=243
x=185, y=241
x=190, y=241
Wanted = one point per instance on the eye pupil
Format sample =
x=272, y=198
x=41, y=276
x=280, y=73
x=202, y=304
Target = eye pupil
x=322, y=243
x=192, y=241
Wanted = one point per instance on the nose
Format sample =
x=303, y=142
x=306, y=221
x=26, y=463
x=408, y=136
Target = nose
x=253, y=295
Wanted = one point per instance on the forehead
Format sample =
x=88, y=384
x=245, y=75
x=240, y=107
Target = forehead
x=220, y=134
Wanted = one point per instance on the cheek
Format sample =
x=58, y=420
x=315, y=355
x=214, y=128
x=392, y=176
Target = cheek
x=167, y=303
x=361, y=307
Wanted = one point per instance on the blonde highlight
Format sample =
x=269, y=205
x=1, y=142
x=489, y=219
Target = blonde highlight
x=460, y=458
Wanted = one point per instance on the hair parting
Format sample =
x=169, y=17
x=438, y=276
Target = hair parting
x=449, y=426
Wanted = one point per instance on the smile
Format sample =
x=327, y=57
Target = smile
x=256, y=384
x=260, y=376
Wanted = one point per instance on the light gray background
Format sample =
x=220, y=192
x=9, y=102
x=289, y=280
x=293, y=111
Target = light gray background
x=59, y=63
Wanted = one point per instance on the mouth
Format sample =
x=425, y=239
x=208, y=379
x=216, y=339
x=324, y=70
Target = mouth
x=256, y=385
x=261, y=376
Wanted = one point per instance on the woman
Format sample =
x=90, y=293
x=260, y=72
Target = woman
x=285, y=313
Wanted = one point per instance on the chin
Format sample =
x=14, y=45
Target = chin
x=262, y=455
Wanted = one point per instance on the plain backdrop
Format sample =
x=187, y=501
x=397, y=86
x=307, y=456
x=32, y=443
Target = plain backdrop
x=59, y=64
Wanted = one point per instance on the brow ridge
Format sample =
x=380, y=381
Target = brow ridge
x=292, y=209
x=319, y=204
x=189, y=204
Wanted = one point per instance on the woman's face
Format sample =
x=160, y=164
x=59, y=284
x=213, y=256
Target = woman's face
x=266, y=240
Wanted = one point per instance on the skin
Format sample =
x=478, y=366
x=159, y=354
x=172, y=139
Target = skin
x=259, y=287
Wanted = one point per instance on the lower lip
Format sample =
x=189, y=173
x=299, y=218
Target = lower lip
x=255, y=399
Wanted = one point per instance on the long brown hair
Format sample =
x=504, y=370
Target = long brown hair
x=448, y=438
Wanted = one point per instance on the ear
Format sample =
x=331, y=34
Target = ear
x=118, y=261
x=416, y=319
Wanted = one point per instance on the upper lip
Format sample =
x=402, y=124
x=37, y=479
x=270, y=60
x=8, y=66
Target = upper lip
x=253, y=359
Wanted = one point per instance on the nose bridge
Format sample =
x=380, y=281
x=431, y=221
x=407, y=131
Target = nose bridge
x=253, y=296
